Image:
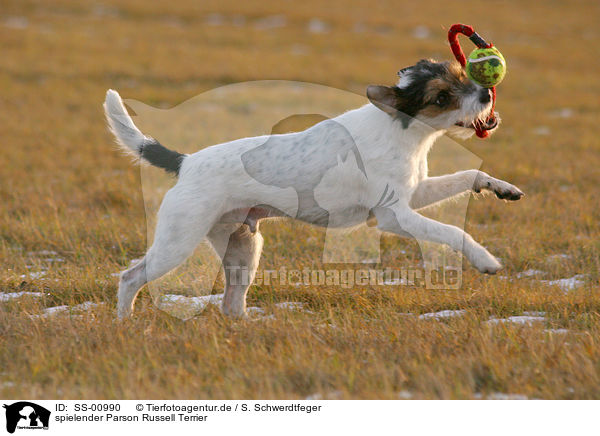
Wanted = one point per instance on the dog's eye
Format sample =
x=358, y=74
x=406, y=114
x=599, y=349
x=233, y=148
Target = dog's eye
x=442, y=99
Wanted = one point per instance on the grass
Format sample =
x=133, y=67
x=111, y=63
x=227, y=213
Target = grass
x=63, y=188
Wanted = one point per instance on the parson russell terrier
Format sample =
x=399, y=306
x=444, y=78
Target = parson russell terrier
x=368, y=162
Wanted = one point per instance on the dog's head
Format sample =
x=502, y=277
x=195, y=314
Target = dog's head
x=438, y=94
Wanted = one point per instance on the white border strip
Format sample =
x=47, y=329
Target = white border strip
x=301, y=417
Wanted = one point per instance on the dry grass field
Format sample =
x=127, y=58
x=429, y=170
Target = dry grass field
x=72, y=211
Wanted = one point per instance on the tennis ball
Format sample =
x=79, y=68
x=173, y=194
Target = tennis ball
x=486, y=66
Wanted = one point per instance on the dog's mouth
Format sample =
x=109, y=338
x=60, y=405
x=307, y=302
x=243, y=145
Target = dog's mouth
x=488, y=124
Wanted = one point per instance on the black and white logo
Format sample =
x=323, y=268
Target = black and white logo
x=26, y=415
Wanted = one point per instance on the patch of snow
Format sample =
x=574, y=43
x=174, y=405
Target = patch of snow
x=558, y=257
x=523, y=320
x=33, y=275
x=56, y=310
x=503, y=396
x=564, y=112
x=16, y=22
x=85, y=306
x=530, y=273
x=526, y=313
x=567, y=284
x=334, y=395
x=290, y=305
x=442, y=314
x=557, y=331
x=405, y=395
x=316, y=25
x=198, y=303
x=42, y=253
x=542, y=131
x=270, y=22
x=12, y=295
x=421, y=32
x=255, y=310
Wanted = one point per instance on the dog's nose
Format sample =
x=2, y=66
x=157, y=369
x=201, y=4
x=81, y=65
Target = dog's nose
x=484, y=96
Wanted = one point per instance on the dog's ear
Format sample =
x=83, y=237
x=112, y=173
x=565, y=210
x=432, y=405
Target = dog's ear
x=394, y=102
x=386, y=98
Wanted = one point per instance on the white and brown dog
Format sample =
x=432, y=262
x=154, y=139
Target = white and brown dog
x=224, y=190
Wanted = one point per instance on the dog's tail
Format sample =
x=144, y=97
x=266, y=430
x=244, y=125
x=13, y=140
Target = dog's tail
x=135, y=142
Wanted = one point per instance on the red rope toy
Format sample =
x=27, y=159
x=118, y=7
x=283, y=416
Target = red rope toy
x=481, y=129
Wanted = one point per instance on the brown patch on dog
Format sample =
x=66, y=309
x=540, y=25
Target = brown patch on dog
x=435, y=87
x=449, y=84
x=457, y=71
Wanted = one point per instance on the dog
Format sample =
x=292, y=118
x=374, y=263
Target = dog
x=376, y=153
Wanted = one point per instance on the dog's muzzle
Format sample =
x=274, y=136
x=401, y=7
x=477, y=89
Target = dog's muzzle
x=489, y=124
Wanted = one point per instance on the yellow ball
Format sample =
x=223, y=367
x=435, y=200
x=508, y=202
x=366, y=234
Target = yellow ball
x=486, y=66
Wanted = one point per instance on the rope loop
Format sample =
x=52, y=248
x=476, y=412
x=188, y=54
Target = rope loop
x=481, y=129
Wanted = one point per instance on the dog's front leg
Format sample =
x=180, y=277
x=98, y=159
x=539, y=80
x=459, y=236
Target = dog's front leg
x=502, y=189
x=402, y=220
x=433, y=190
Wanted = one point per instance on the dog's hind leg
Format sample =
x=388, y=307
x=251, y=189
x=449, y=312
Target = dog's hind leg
x=179, y=229
x=240, y=252
x=129, y=285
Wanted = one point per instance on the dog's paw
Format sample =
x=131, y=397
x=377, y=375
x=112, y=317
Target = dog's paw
x=481, y=259
x=489, y=266
x=506, y=191
x=502, y=189
x=234, y=311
